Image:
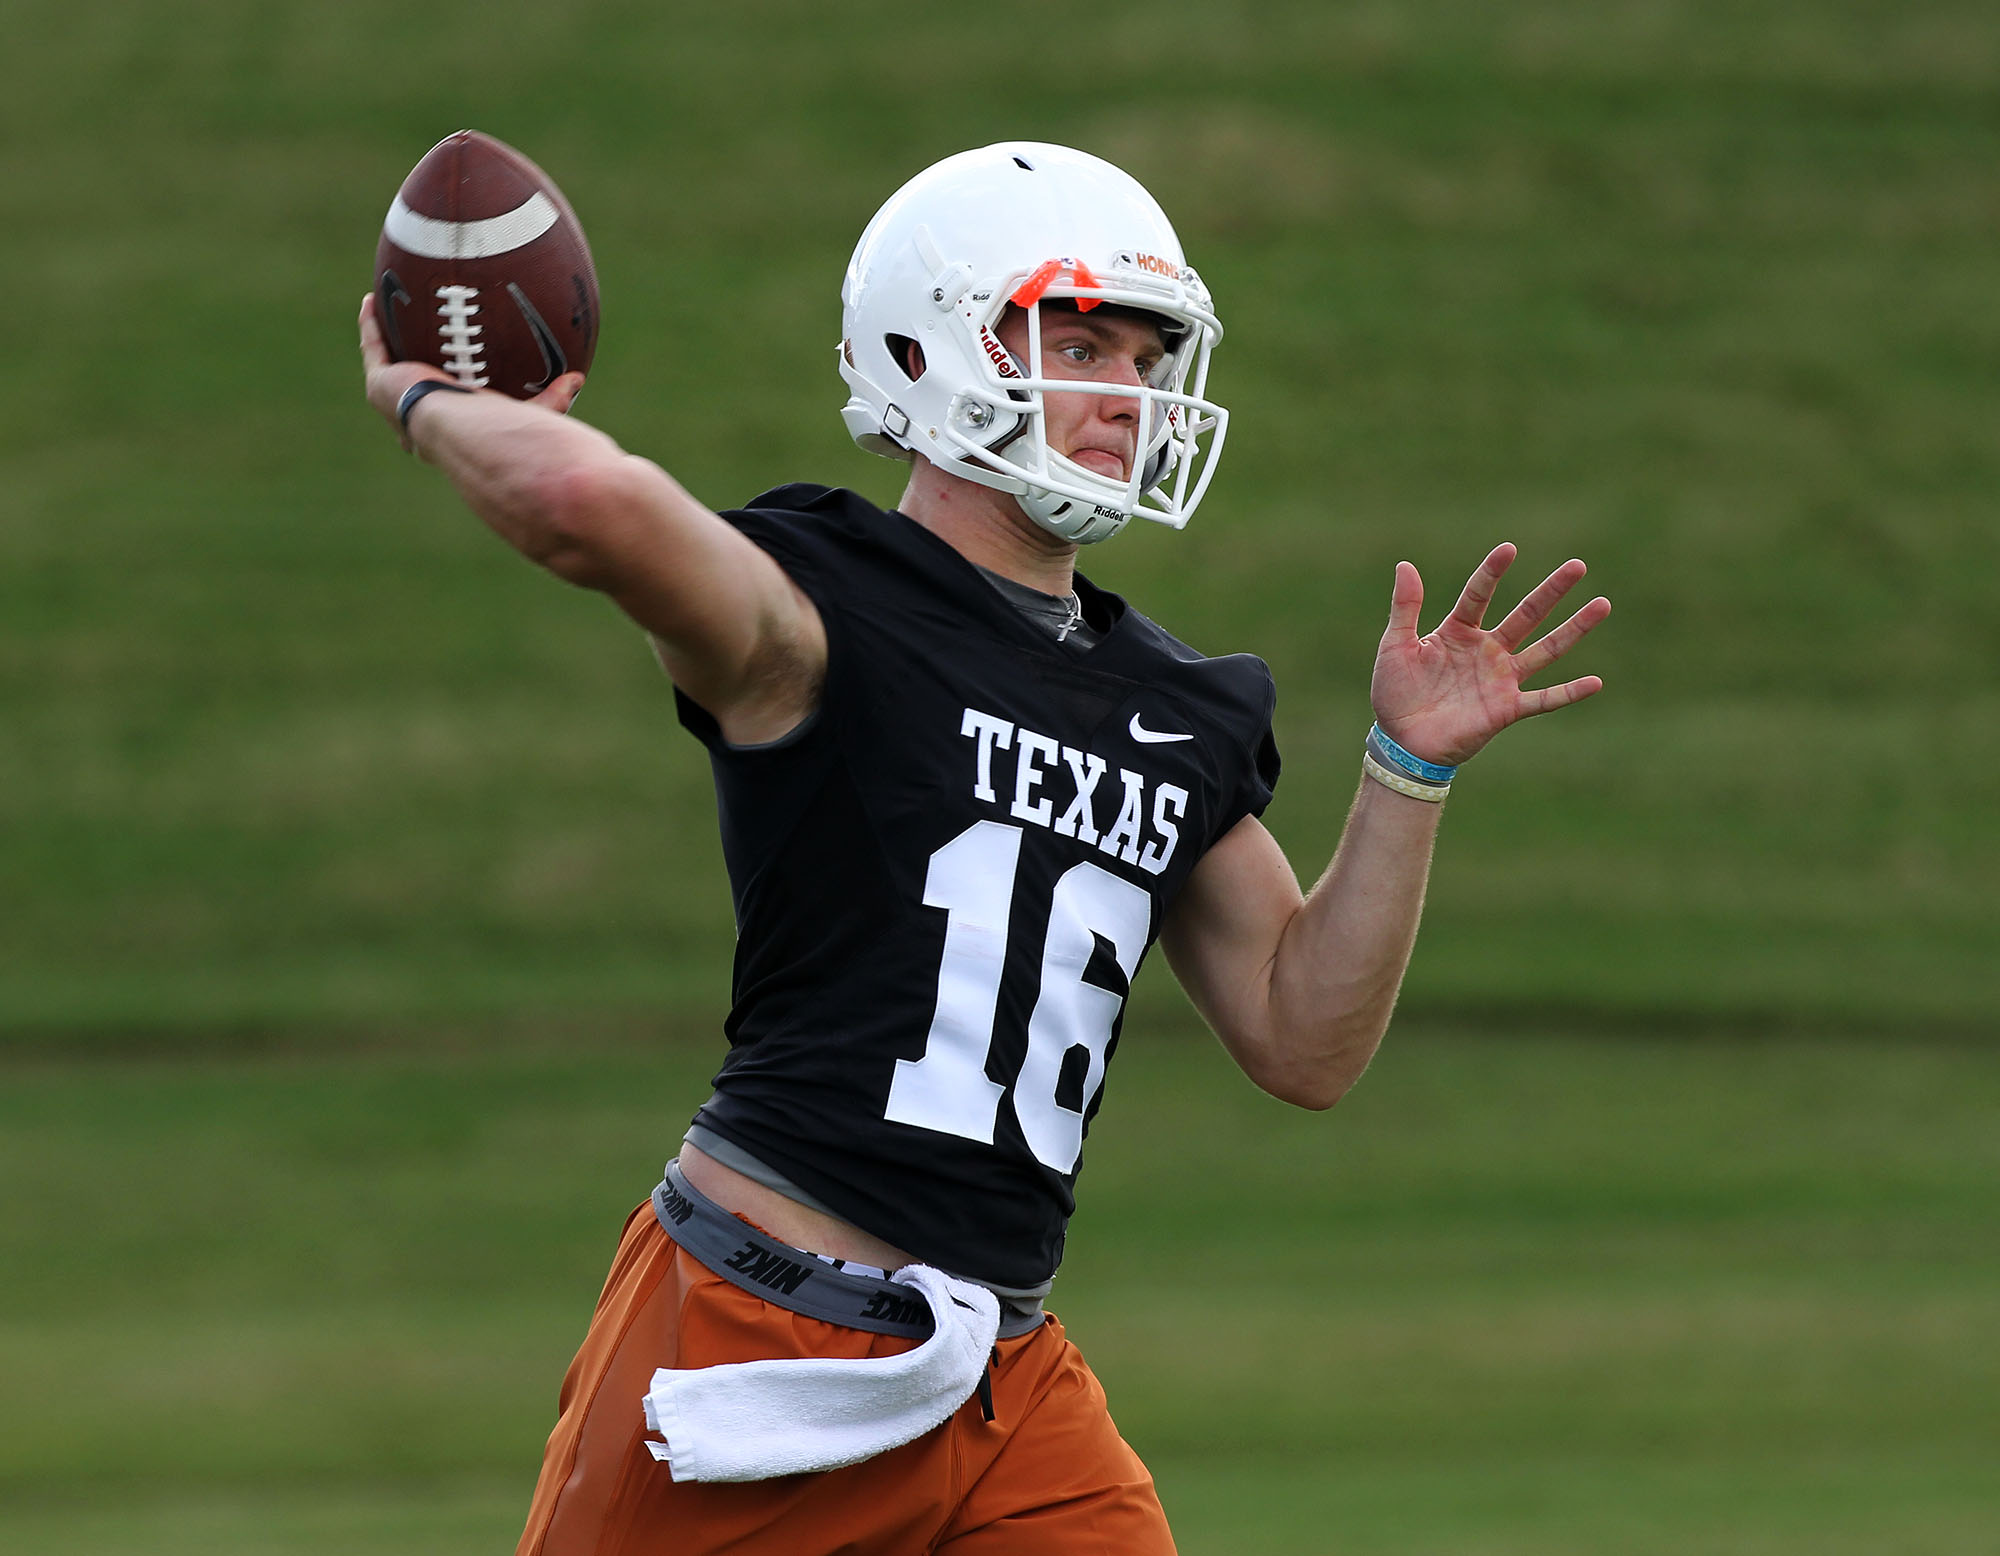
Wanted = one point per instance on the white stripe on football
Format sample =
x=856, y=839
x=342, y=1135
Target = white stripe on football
x=430, y=238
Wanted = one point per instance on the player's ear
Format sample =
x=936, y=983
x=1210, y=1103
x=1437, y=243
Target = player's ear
x=905, y=353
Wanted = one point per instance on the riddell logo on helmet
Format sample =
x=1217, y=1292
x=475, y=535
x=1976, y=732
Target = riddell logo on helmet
x=1003, y=364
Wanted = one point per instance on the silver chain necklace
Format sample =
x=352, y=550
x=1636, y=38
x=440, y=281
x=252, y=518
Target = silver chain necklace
x=1059, y=614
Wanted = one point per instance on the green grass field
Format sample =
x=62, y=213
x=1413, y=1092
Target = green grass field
x=1541, y=1295
x=362, y=929
x=1702, y=292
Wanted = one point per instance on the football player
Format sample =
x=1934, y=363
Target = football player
x=962, y=791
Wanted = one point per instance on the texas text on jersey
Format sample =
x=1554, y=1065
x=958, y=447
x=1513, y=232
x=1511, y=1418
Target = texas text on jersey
x=947, y=877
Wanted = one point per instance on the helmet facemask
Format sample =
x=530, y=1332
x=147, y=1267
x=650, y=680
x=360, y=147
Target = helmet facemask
x=1000, y=424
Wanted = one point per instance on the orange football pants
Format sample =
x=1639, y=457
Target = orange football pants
x=1048, y=1476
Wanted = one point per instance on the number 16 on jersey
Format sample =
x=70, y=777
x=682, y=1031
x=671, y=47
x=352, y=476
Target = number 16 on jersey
x=973, y=879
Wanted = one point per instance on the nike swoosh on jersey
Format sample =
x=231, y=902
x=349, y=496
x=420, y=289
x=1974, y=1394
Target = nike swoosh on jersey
x=1151, y=737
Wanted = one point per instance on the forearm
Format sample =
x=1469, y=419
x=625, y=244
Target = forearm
x=559, y=492
x=545, y=484
x=1340, y=961
x=1300, y=989
x=731, y=629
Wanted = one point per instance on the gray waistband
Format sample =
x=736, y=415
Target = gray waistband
x=798, y=1281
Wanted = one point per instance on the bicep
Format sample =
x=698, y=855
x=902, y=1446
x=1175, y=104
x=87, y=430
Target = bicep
x=1223, y=932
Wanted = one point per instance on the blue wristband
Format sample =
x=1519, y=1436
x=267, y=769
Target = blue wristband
x=1393, y=755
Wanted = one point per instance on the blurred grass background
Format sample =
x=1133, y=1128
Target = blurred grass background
x=1522, y=1295
x=362, y=932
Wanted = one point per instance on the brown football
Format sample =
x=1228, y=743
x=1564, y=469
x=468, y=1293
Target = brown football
x=483, y=270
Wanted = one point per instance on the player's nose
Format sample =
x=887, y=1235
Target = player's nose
x=1113, y=406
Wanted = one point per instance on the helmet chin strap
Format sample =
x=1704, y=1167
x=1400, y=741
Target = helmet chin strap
x=1071, y=518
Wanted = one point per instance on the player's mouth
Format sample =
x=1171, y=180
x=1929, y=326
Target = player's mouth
x=1100, y=461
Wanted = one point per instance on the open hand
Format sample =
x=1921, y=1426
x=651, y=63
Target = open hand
x=1444, y=695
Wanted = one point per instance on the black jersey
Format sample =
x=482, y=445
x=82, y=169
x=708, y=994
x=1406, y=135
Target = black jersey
x=946, y=878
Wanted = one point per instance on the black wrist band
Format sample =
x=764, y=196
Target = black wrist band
x=416, y=392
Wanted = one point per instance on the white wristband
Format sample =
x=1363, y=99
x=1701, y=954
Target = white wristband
x=1432, y=793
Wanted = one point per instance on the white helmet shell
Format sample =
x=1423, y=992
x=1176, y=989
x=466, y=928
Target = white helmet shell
x=1017, y=223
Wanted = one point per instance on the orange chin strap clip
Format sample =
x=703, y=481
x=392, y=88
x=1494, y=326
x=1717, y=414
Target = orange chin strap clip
x=1046, y=274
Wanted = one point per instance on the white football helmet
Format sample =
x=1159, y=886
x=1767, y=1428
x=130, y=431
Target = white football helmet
x=1016, y=223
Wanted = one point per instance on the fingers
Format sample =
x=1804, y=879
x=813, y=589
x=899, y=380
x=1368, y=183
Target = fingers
x=1532, y=661
x=1533, y=611
x=374, y=350
x=383, y=391
x=1550, y=698
x=1406, y=601
x=560, y=395
x=1470, y=611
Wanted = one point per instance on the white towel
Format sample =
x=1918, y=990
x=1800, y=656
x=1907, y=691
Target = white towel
x=798, y=1415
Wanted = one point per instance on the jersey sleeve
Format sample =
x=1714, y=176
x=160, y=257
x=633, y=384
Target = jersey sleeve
x=773, y=525
x=1257, y=763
